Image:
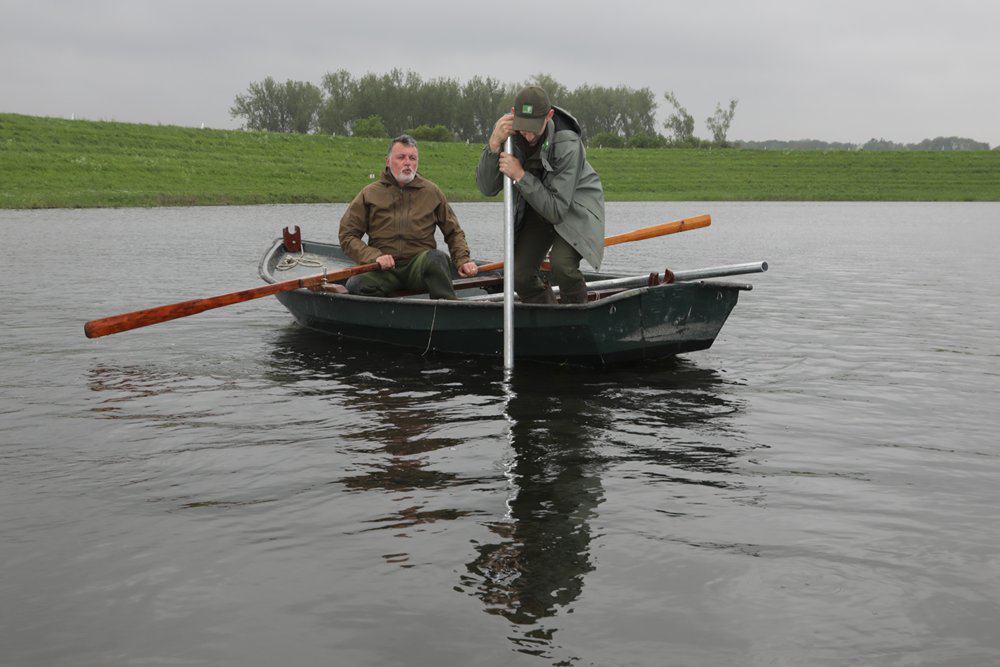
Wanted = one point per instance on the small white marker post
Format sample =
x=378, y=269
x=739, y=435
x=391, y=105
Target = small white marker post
x=508, y=267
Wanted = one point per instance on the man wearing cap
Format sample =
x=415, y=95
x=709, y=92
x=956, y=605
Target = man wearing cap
x=558, y=197
x=399, y=214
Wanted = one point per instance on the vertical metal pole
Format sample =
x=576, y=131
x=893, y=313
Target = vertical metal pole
x=508, y=267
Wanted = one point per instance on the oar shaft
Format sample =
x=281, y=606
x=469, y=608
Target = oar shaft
x=143, y=318
x=721, y=271
x=148, y=316
x=642, y=281
x=639, y=235
x=660, y=230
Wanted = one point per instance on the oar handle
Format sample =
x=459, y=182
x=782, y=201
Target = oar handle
x=674, y=227
x=144, y=318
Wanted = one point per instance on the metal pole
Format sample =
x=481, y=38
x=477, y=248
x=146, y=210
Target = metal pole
x=508, y=267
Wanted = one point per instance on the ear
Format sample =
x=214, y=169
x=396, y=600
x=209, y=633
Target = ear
x=552, y=112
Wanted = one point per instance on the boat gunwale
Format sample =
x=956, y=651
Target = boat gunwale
x=608, y=300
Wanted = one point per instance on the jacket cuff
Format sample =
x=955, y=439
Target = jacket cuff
x=528, y=184
x=370, y=256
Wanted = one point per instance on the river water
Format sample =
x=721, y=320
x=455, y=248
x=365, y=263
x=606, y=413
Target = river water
x=820, y=487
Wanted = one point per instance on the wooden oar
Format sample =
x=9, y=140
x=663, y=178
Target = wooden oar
x=640, y=234
x=143, y=318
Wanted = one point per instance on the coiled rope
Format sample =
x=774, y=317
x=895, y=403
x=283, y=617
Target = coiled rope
x=289, y=261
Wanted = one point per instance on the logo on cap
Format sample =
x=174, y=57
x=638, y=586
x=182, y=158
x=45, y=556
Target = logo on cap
x=526, y=108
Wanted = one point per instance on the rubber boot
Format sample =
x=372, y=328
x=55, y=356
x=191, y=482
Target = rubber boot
x=546, y=296
x=576, y=295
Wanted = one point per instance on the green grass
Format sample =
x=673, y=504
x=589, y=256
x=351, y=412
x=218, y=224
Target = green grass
x=49, y=162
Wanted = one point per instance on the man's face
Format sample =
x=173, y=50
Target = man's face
x=533, y=137
x=402, y=162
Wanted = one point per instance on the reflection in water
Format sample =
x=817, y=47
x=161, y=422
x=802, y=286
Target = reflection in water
x=402, y=404
x=537, y=565
x=565, y=427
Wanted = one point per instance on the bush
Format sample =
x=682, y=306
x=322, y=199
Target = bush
x=369, y=127
x=693, y=142
x=646, y=141
x=607, y=140
x=431, y=133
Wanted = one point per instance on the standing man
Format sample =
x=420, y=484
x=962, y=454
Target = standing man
x=558, y=197
x=399, y=214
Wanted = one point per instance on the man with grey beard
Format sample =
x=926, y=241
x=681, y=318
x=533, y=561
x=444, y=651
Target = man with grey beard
x=399, y=214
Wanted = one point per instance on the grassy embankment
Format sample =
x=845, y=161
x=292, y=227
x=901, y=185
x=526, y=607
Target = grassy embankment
x=48, y=162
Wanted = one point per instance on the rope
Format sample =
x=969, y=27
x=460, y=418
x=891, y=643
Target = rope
x=291, y=261
x=431, y=332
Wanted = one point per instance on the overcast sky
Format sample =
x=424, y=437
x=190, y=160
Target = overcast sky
x=838, y=70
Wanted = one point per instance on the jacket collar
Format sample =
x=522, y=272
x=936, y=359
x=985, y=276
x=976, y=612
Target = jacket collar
x=389, y=180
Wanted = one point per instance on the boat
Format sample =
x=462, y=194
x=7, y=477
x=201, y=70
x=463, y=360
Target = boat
x=629, y=319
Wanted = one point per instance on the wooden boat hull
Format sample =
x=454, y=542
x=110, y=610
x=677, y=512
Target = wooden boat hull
x=634, y=325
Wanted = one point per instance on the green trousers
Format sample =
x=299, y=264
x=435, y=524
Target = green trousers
x=534, y=239
x=430, y=272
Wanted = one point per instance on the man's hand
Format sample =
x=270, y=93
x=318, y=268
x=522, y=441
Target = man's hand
x=385, y=262
x=511, y=166
x=503, y=129
x=468, y=270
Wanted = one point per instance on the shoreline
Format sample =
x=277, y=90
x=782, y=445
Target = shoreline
x=49, y=163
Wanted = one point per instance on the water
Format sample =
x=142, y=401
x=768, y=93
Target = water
x=820, y=487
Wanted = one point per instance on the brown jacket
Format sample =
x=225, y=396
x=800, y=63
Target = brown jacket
x=400, y=222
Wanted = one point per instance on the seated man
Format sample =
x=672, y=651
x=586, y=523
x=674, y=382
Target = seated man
x=399, y=214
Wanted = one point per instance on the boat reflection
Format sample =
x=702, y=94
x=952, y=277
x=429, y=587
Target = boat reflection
x=566, y=428
x=406, y=407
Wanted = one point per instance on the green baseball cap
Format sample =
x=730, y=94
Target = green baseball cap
x=530, y=108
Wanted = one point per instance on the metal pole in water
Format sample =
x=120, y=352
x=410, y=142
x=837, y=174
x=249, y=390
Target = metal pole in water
x=508, y=267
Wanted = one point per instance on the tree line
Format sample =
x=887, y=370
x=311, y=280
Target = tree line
x=446, y=109
x=936, y=144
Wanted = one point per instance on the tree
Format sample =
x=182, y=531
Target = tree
x=372, y=126
x=882, y=145
x=620, y=110
x=949, y=144
x=260, y=107
x=639, y=112
x=302, y=102
x=680, y=123
x=436, y=102
x=483, y=101
x=334, y=114
x=274, y=107
x=719, y=122
x=597, y=108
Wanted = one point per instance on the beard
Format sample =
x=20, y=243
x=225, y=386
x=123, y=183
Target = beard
x=404, y=177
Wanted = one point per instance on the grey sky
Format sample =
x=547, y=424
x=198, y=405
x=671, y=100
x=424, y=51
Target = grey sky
x=843, y=70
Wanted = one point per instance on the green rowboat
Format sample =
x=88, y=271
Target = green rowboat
x=621, y=325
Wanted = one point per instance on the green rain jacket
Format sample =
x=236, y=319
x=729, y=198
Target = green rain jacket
x=569, y=194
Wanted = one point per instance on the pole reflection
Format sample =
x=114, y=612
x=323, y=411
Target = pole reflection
x=567, y=430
